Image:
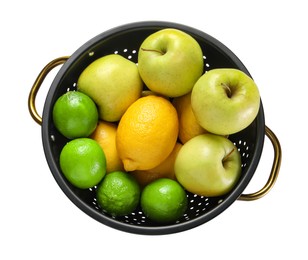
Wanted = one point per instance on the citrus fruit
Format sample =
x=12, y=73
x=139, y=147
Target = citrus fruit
x=163, y=170
x=147, y=133
x=113, y=82
x=83, y=162
x=163, y=200
x=188, y=125
x=118, y=194
x=75, y=115
x=105, y=135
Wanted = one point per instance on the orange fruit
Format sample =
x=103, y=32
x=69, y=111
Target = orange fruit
x=105, y=135
x=75, y=115
x=147, y=133
x=188, y=125
x=163, y=170
x=163, y=200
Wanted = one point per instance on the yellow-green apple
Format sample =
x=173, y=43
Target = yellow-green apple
x=113, y=82
x=225, y=101
x=170, y=62
x=208, y=165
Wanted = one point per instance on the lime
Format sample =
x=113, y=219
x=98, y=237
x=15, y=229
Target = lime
x=163, y=200
x=83, y=162
x=75, y=115
x=118, y=194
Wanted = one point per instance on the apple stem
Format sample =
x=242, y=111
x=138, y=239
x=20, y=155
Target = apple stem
x=228, y=155
x=227, y=89
x=160, y=52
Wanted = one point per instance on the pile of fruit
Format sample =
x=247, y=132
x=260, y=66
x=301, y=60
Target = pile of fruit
x=144, y=134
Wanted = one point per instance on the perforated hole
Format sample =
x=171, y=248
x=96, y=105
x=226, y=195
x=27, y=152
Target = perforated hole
x=73, y=87
x=244, y=150
x=206, y=64
x=129, y=54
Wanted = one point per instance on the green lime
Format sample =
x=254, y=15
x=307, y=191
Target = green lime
x=75, y=115
x=83, y=162
x=118, y=194
x=163, y=200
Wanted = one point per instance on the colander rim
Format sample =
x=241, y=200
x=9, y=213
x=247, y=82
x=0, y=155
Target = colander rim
x=152, y=230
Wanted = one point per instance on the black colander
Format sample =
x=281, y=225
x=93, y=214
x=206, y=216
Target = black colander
x=125, y=40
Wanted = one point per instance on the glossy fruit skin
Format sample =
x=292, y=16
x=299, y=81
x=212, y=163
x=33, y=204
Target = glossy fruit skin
x=170, y=61
x=113, y=82
x=118, y=194
x=225, y=101
x=75, y=115
x=164, y=200
x=83, y=162
x=208, y=165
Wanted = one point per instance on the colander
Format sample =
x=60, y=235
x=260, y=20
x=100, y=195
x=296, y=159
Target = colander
x=125, y=40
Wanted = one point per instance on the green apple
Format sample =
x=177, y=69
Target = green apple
x=208, y=165
x=225, y=101
x=170, y=62
x=113, y=82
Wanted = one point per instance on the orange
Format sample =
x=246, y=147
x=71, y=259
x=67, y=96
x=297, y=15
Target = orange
x=118, y=194
x=163, y=170
x=105, y=135
x=188, y=125
x=83, y=162
x=163, y=200
x=75, y=115
x=147, y=133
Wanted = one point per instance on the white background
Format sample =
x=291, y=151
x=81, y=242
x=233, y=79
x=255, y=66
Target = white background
x=37, y=221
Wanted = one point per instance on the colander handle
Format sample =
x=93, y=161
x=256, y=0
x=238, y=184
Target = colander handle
x=37, y=84
x=274, y=171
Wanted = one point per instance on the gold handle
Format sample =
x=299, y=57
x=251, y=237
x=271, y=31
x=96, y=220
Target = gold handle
x=37, y=84
x=274, y=171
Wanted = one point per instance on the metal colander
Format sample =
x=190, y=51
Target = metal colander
x=125, y=40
